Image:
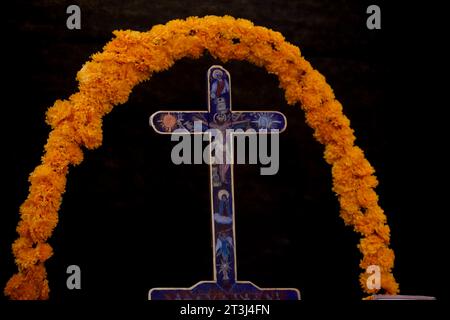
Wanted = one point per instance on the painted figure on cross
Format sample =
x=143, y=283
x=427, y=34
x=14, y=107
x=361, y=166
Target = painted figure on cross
x=220, y=85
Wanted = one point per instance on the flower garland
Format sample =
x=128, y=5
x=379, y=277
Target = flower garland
x=132, y=57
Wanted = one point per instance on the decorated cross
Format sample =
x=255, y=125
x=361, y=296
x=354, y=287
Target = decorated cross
x=219, y=117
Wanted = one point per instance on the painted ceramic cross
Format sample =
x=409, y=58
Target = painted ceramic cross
x=219, y=116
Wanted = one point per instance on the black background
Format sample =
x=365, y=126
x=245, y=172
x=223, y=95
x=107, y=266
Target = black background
x=132, y=220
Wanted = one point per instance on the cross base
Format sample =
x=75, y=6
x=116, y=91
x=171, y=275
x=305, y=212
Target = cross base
x=210, y=290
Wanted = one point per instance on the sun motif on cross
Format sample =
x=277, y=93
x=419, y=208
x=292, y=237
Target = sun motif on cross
x=168, y=121
x=266, y=121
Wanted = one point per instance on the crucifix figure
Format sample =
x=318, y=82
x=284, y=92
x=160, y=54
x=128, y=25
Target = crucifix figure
x=219, y=117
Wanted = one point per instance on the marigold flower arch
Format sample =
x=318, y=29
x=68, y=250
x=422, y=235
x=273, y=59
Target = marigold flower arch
x=131, y=58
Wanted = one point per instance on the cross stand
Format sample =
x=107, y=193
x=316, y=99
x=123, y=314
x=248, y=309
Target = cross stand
x=219, y=116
